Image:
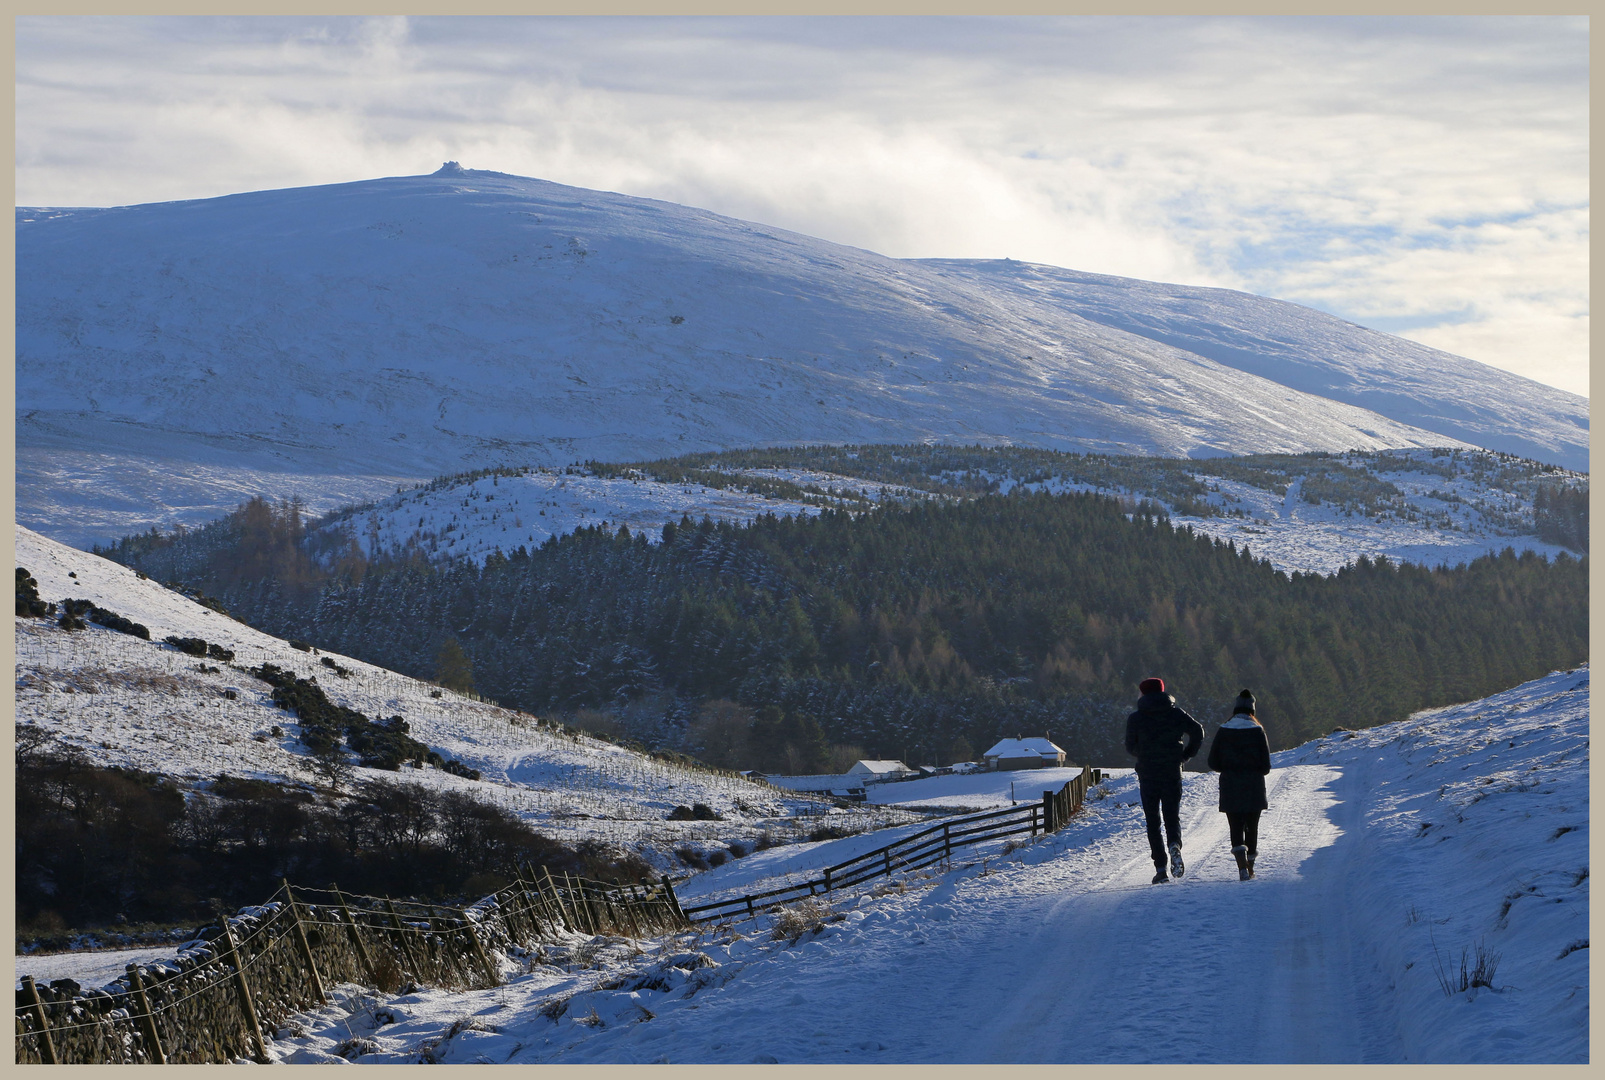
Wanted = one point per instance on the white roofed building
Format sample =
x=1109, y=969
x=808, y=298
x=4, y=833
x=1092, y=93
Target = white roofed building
x=1033, y=753
x=879, y=770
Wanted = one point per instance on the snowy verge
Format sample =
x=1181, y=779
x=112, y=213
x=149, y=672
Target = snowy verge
x=1475, y=845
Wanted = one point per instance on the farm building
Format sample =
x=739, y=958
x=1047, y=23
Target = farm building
x=879, y=770
x=849, y=784
x=1034, y=753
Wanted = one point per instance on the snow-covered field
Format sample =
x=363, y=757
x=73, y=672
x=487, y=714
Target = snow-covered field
x=1385, y=854
x=125, y=701
x=417, y=326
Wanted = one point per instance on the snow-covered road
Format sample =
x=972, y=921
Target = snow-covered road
x=1071, y=955
x=1210, y=969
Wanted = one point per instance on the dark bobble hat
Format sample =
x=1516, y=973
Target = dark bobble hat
x=1151, y=686
x=1245, y=701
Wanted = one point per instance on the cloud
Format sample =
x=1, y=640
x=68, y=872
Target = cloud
x=1428, y=174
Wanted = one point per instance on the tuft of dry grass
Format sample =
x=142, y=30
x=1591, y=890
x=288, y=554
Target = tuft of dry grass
x=1474, y=971
x=351, y=1049
x=805, y=917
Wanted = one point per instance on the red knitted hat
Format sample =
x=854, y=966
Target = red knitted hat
x=1152, y=686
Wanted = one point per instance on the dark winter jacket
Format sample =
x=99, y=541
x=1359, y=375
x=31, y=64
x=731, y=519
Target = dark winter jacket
x=1241, y=754
x=1161, y=736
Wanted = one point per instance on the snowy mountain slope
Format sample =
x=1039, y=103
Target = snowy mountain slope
x=1384, y=853
x=1316, y=353
x=1437, y=519
x=415, y=326
x=125, y=701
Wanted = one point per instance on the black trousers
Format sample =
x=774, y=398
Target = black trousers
x=1245, y=831
x=1161, y=796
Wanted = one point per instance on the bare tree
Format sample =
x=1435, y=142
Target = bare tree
x=332, y=764
x=31, y=740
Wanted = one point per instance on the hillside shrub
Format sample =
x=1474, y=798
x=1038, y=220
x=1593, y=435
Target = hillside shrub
x=28, y=602
x=112, y=621
x=382, y=744
x=691, y=857
x=192, y=646
x=72, y=614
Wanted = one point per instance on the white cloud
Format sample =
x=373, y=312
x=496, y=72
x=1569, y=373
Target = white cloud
x=1428, y=175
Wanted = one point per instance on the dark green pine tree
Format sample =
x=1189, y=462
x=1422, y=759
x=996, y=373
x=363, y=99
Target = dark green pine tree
x=453, y=669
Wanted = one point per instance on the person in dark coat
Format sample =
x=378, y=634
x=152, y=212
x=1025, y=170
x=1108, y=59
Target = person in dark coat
x=1161, y=736
x=1241, y=754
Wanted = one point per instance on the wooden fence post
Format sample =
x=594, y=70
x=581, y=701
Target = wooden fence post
x=629, y=910
x=243, y=990
x=557, y=898
x=146, y=1019
x=406, y=942
x=886, y=858
x=576, y=901
x=356, y=936
x=582, y=905
x=551, y=913
x=947, y=842
x=534, y=905
x=751, y=914
x=582, y=902
x=491, y=973
x=47, y=1049
x=526, y=904
x=827, y=880
x=674, y=901
x=303, y=944
x=1047, y=812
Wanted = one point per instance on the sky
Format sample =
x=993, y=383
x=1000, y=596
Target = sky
x=1426, y=176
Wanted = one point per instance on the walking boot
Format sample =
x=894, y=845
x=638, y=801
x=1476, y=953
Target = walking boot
x=1160, y=877
x=1251, y=866
x=1241, y=854
x=1176, y=865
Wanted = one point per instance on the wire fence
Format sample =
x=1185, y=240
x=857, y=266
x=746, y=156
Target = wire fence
x=220, y=1000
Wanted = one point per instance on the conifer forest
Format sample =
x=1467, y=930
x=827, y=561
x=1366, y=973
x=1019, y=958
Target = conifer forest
x=924, y=631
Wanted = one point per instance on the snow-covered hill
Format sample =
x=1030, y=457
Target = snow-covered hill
x=121, y=700
x=1448, y=508
x=1385, y=857
x=477, y=515
x=333, y=339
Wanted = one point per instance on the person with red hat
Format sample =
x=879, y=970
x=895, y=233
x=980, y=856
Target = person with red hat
x=1161, y=736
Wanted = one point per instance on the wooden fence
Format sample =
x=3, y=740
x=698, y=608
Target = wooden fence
x=931, y=845
x=267, y=963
